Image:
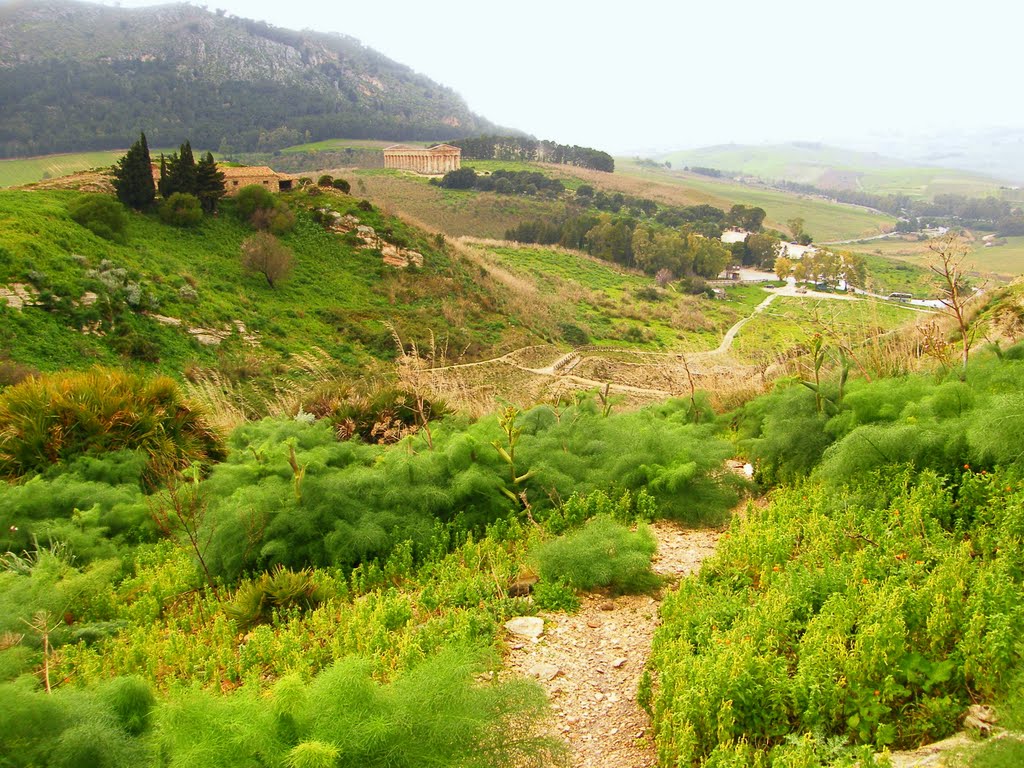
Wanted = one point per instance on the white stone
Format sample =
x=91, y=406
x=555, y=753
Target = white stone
x=525, y=626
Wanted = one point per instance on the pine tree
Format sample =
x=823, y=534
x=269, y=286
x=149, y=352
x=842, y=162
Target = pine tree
x=209, y=183
x=133, y=176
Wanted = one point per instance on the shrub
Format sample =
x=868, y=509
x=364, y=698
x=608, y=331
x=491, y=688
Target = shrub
x=871, y=616
x=325, y=181
x=341, y=185
x=463, y=178
x=131, y=699
x=604, y=553
x=250, y=199
x=280, y=590
x=55, y=418
x=383, y=416
x=266, y=255
x=573, y=334
x=181, y=210
x=434, y=715
x=102, y=215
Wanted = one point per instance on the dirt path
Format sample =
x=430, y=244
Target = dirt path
x=590, y=663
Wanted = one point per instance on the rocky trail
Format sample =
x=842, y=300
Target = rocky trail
x=590, y=663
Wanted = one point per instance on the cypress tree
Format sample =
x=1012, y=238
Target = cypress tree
x=187, y=169
x=209, y=183
x=180, y=173
x=133, y=176
x=162, y=184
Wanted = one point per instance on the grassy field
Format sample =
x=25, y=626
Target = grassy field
x=455, y=212
x=484, y=214
x=27, y=170
x=791, y=321
x=833, y=167
x=340, y=297
x=334, y=145
x=999, y=262
x=887, y=275
x=823, y=220
x=613, y=307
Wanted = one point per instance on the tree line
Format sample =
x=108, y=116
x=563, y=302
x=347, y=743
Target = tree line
x=184, y=184
x=988, y=213
x=530, y=150
x=666, y=241
x=504, y=182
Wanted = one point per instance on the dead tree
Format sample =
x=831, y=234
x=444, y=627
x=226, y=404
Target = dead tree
x=949, y=252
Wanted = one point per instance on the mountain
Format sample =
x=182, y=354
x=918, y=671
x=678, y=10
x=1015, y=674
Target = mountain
x=830, y=167
x=76, y=76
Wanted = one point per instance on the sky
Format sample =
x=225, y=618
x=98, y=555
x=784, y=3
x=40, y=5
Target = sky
x=639, y=76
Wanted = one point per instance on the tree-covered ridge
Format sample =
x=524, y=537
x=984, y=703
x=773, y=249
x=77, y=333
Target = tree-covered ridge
x=80, y=76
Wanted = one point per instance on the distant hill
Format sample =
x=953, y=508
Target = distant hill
x=830, y=167
x=76, y=76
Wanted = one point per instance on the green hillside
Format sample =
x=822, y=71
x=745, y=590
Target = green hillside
x=835, y=168
x=341, y=298
x=824, y=220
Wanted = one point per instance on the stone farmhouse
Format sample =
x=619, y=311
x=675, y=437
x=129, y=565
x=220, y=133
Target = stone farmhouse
x=236, y=177
x=242, y=176
x=438, y=159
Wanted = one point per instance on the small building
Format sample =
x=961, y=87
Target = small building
x=795, y=251
x=438, y=159
x=730, y=273
x=731, y=236
x=236, y=177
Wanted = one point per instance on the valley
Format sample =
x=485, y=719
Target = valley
x=564, y=457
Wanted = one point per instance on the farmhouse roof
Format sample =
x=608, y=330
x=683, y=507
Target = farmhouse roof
x=230, y=171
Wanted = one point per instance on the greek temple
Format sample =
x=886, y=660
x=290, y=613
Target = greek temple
x=438, y=159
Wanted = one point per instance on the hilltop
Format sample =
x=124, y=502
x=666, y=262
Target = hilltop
x=829, y=167
x=79, y=76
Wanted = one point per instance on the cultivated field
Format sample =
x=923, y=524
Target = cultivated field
x=30, y=169
x=833, y=167
x=824, y=220
x=1000, y=261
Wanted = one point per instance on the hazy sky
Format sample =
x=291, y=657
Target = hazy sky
x=638, y=75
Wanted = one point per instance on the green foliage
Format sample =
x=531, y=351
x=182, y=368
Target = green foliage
x=280, y=590
x=873, y=615
x=264, y=254
x=532, y=150
x=356, y=502
x=383, y=415
x=433, y=715
x=181, y=209
x=209, y=183
x=101, y=215
x=927, y=423
x=604, y=553
x=133, y=177
x=131, y=700
x=556, y=596
x=252, y=198
x=56, y=418
x=70, y=729
x=178, y=173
